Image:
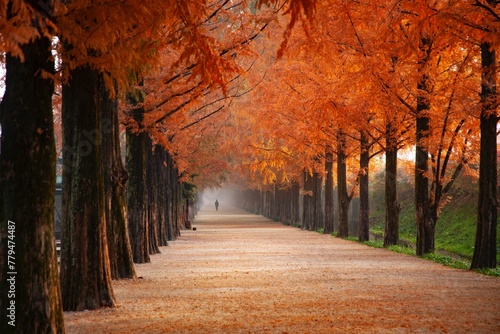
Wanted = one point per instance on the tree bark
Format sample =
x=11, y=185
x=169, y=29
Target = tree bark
x=329, y=205
x=137, y=196
x=275, y=207
x=170, y=202
x=317, y=220
x=307, y=212
x=392, y=207
x=425, y=224
x=364, y=205
x=295, y=203
x=162, y=213
x=286, y=205
x=28, y=258
x=85, y=267
x=486, y=229
x=343, y=197
x=115, y=178
x=175, y=200
x=154, y=163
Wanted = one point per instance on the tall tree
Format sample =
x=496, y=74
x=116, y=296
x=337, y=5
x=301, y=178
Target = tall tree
x=137, y=200
x=487, y=212
x=318, y=219
x=425, y=224
x=392, y=206
x=30, y=301
x=154, y=164
x=363, y=175
x=85, y=266
x=161, y=195
x=329, y=204
x=307, y=204
x=344, y=199
x=115, y=178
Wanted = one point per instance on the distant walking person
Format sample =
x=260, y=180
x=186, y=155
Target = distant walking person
x=216, y=205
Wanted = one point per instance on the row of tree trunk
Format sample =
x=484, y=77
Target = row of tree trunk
x=281, y=204
x=427, y=198
x=112, y=216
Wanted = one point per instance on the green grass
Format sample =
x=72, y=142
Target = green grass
x=447, y=261
x=442, y=259
x=375, y=244
x=402, y=249
x=456, y=225
x=456, y=228
x=490, y=272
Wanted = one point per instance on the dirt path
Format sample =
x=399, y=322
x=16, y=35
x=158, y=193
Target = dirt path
x=241, y=273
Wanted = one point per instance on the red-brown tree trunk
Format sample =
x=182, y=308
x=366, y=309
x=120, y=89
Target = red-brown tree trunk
x=317, y=219
x=307, y=210
x=115, y=178
x=295, y=203
x=392, y=207
x=154, y=163
x=364, y=205
x=329, y=204
x=425, y=224
x=485, y=248
x=161, y=181
x=30, y=300
x=85, y=267
x=137, y=194
x=343, y=196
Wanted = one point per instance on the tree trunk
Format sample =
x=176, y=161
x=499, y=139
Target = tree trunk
x=275, y=208
x=425, y=224
x=286, y=207
x=137, y=196
x=137, y=193
x=115, y=177
x=295, y=203
x=169, y=196
x=162, y=213
x=329, y=205
x=174, y=195
x=343, y=197
x=153, y=165
x=307, y=213
x=392, y=207
x=486, y=229
x=316, y=197
x=317, y=220
x=364, y=205
x=85, y=267
x=28, y=258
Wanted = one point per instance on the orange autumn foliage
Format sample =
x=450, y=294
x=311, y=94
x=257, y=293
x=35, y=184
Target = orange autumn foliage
x=219, y=97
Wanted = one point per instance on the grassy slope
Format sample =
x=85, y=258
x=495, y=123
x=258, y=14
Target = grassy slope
x=455, y=228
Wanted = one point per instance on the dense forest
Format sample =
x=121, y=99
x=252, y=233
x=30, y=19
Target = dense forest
x=291, y=101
